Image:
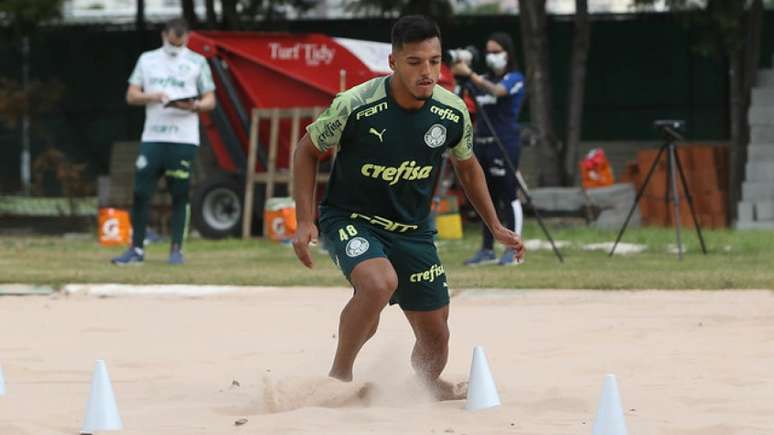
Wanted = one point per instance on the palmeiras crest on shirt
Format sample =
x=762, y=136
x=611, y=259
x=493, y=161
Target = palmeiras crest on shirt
x=435, y=136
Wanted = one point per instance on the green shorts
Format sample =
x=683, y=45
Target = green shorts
x=421, y=276
x=173, y=160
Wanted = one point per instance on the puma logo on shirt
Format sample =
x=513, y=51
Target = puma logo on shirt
x=377, y=133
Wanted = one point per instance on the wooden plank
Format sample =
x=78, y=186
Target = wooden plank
x=247, y=211
x=305, y=112
x=273, y=145
x=294, y=126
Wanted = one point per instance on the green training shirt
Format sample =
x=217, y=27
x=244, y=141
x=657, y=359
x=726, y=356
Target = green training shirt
x=389, y=157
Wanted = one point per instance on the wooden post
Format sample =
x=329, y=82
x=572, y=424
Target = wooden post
x=247, y=211
x=273, y=145
x=294, y=133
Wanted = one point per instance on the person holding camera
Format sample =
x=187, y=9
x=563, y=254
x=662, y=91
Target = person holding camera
x=174, y=84
x=499, y=94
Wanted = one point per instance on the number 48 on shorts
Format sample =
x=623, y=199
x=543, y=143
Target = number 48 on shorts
x=346, y=232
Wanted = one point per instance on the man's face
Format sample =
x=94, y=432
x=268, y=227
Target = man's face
x=175, y=39
x=418, y=65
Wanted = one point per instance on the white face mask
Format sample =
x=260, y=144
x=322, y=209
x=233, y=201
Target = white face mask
x=172, y=50
x=497, y=61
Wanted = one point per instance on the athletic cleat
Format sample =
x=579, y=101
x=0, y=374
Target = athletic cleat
x=176, y=257
x=131, y=256
x=508, y=258
x=483, y=256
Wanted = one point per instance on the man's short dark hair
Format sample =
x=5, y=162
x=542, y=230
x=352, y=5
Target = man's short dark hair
x=178, y=26
x=413, y=28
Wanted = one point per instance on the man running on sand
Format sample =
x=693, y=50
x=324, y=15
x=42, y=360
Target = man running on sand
x=391, y=133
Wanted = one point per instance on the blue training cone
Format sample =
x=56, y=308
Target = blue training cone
x=610, y=417
x=482, y=391
x=101, y=410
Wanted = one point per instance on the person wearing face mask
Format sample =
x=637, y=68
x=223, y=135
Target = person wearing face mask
x=500, y=94
x=174, y=84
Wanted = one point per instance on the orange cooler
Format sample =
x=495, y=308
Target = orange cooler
x=279, y=219
x=115, y=228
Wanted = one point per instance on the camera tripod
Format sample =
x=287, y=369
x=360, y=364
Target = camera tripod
x=465, y=84
x=673, y=165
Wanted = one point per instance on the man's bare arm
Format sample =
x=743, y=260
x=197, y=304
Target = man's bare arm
x=206, y=103
x=136, y=97
x=473, y=181
x=496, y=89
x=305, y=160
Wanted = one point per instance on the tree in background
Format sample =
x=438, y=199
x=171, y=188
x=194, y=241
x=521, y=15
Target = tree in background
x=557, y=159
x=212, y=18
x=23, y=18
x=577, y=86
x=539, y=91
x=480, y=9
x=239, y=12
x=139, y=18
x=729, y=29
x=382, y=8
x=440, y=10
x=271, y=10
x=38, y=98
x=189, y=13
x=230, y=15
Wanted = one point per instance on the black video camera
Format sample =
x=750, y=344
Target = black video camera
x=468, y=55
x=670, y=128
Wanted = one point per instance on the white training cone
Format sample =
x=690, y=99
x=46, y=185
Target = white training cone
x=482, y=392
x=610, y=417
x=101, y=410
x=2, y=382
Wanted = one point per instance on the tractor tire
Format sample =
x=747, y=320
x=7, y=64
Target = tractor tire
x=217, y=206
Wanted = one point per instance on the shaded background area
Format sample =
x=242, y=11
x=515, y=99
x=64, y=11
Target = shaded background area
x=641, y=67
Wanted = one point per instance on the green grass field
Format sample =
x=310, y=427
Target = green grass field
x=736, y=259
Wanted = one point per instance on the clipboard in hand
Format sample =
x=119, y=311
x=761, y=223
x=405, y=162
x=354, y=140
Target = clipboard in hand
x=171, y=103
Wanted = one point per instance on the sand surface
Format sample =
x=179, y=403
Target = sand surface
x=687, y=362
